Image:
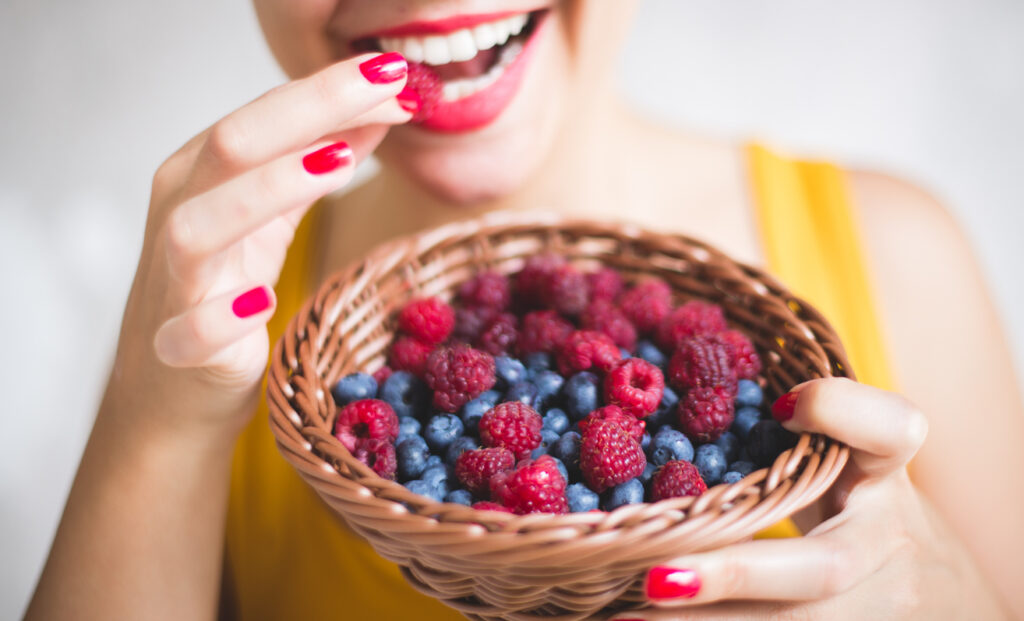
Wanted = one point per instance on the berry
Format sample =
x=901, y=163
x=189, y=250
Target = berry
x=500, y=335
x=742, y=467
x=548, y=385
x=437, y=475
x=748, y=394
x=532, y=280
x=711, y=463
x=489, y=289
x=666, y=412
x=508, y=371
x=694, y=318
x=567, y=450
x=538, y=361
x=670, y=445
x=632, y=425
x=562, y=469
x=648, y=473
x=427, y=85
x=702, y=361
x=457, y=375
x=706, y=413
x=585, y=349
x=650, y=352
x=458, y=447
x=543, y=331
x=636, y=386
x=442, y=430
x=409, y=354
x=565, y=290
x=744, y=420
x=459, y=497
x=486, y=505
x=411, y=455
x=421, y=487
x=609, y=456
x=547, y=438
x=603, y=316
x=406, y=394
x=514, y=426
x=378, y=454
x=408, y=426
x=647, y=304
x=677, y=478
x=366, y=419
x=556, y=420
x=523, y=392
x=581, y=394
x=471, y=322
x=731, y=477
x=535, y=486
x=604, y=284
x=581, y=498
x=474, y=410
x=382, y=374
x=767, y=439
x=429, y=320
x=629, y=493
x=476, y=467
x=744, y=357
x=729, y=444
x=354, y=387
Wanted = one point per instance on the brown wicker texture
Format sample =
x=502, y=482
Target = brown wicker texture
x=491, y=565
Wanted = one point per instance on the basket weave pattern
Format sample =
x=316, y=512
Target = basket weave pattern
x=492, y=565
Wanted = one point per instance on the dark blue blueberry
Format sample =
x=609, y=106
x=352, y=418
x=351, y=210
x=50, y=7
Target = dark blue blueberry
x=766, y=440
x=650, y=352
x=748, y=394
x=624, y=353
x=744, y=419
x=508, y=371
x=729, y=444
x=460, y=497
x=732, y=477
x=406, y=394
x=524, y=392
x=711, y=463
x=547, y=438
x=434, y=460
x=581, y=498
x=354, y=387
x=666, y=412
x=628, y=493
x=423, y=488
x=408, y=426
x=568, y=450
x=648, y=473
x=581, y=394
x=442, y=430
x=475, y=409
x=645, y=441
x=670, y=445
x=556, y=420
x=548, y=384
x=538, y=361
x=411, y=455
x=458, y=447
x=436, y=475
x=743, y=467
x=562, y=469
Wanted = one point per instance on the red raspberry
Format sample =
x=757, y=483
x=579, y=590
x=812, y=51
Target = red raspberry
x=409, y=354
x=742, y=354
x=565, y=290
x=609, y=456
x=633, y=425
x=429, y=320
x=604, y=284
x=489, y=289
x=677, y=478
x=646, y=304
x=585, y=349
x=378, y=454
x=543, y=331
x=370, y=419
x=382, y=374
x=535, y=486
x=475, y=468
x=702, y=361
x=470, y=322
x=635, y=385
x=457, y=375
x=500, y=336
x=706, y=413
x=486, y=505
x=603, y=316
x=532, y=280
x=512, y=425
x=691, y=319
x=425, y=82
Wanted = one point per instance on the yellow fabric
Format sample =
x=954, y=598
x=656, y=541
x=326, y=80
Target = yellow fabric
x=288, y=557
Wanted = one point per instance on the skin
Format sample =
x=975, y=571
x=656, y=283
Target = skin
x=187, y=373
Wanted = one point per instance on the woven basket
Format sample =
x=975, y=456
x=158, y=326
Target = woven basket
x=491, y=565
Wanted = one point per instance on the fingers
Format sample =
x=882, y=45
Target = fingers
x=194, y=337
x=884, y=429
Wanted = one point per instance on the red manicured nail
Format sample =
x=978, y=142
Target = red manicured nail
x=251, y=302
x=785, y=406
x=331, y=157
x=672, y=583
x=409, y=99
x=385, y=68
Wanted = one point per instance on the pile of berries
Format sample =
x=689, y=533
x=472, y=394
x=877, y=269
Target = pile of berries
x=558, y=391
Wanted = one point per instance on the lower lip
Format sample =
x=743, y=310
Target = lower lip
x=483, y=107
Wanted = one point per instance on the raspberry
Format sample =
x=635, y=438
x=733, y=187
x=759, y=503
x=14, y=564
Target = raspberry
x=706, y=413
x=366, y=419
x=702, y=361
x=647, y=304
x=677, y=478
x=532, y=280
x=585, y=349
x=475, y=468
x=429, y=320
x=535, y=486
x=425, y=82
x=636, y=386
x=609, y=456
x=633, y=425
x=382, y=374
x=603, y=316
x=604, y=284
x=379, y=454
x=543, y=331
x=691, y=319
x=512, y=425
x=565, y=290
x=742, y=354
x=409, y=354
x=470, y=322
x=489, y=289
x=486, y=505
x=500, y=336
x=457, y=375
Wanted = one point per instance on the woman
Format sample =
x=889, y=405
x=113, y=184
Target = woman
x=526, y=118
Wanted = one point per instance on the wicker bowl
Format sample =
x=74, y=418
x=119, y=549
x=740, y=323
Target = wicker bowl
x=491, y=565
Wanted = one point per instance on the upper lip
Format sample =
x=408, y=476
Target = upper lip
x=439, y=26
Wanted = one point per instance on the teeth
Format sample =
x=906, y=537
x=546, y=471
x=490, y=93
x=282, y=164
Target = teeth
x=461, y=45
x=457, y=89
x=435, y=51
x=485, y=37
x=458, y=46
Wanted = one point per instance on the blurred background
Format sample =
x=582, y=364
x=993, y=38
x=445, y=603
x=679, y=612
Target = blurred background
x=96, y=93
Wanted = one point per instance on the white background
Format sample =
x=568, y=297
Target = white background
x=96, y=93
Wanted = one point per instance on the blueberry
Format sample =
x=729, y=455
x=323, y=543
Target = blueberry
x=436, y=475
x=354, y=387
x=766, y=440
x=581, y=498
x=567, y=449
x=711, y=463
x=650, y=352
x=744, y=419
x=556, y=420
x=666, y=411
x=581, y=394
x=408, y=426
x=538, y=361
x=732, y=477
x=423, y=488
x=475, y=409
x=411, y=455
x=508, y=371
x=548, y=385
x=743, y=467
x=669, y=445
x=645, y=441
x=648, y=473
x=442, y=430
x=562, y=469
x=434, y=460
x=406, y=394
x=729, y=444
x=628, y=493
x=524, y=392
x=459, y=496
x=547, y=438
x=458, y=447
x=748, y=394
x=624, y=353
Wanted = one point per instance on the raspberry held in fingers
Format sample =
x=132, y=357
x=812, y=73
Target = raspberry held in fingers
x=328, y=159
x=385, y=68
x=251, y=302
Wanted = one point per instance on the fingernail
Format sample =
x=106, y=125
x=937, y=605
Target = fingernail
x=784, y=406
x=251, y=302
x=385, y=68
x=672, y=583
x=331, y=157
x=409, y=99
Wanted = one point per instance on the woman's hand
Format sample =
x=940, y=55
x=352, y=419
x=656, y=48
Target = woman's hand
x=881, y=553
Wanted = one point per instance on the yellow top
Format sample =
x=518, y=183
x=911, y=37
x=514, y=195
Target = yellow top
x=289, y=557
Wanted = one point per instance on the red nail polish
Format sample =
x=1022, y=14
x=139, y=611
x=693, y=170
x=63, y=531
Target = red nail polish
x=672, y=583
x=327, y=159
x=409, y=99
x=251, y=302
x=385, y=68
x=785, y=406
